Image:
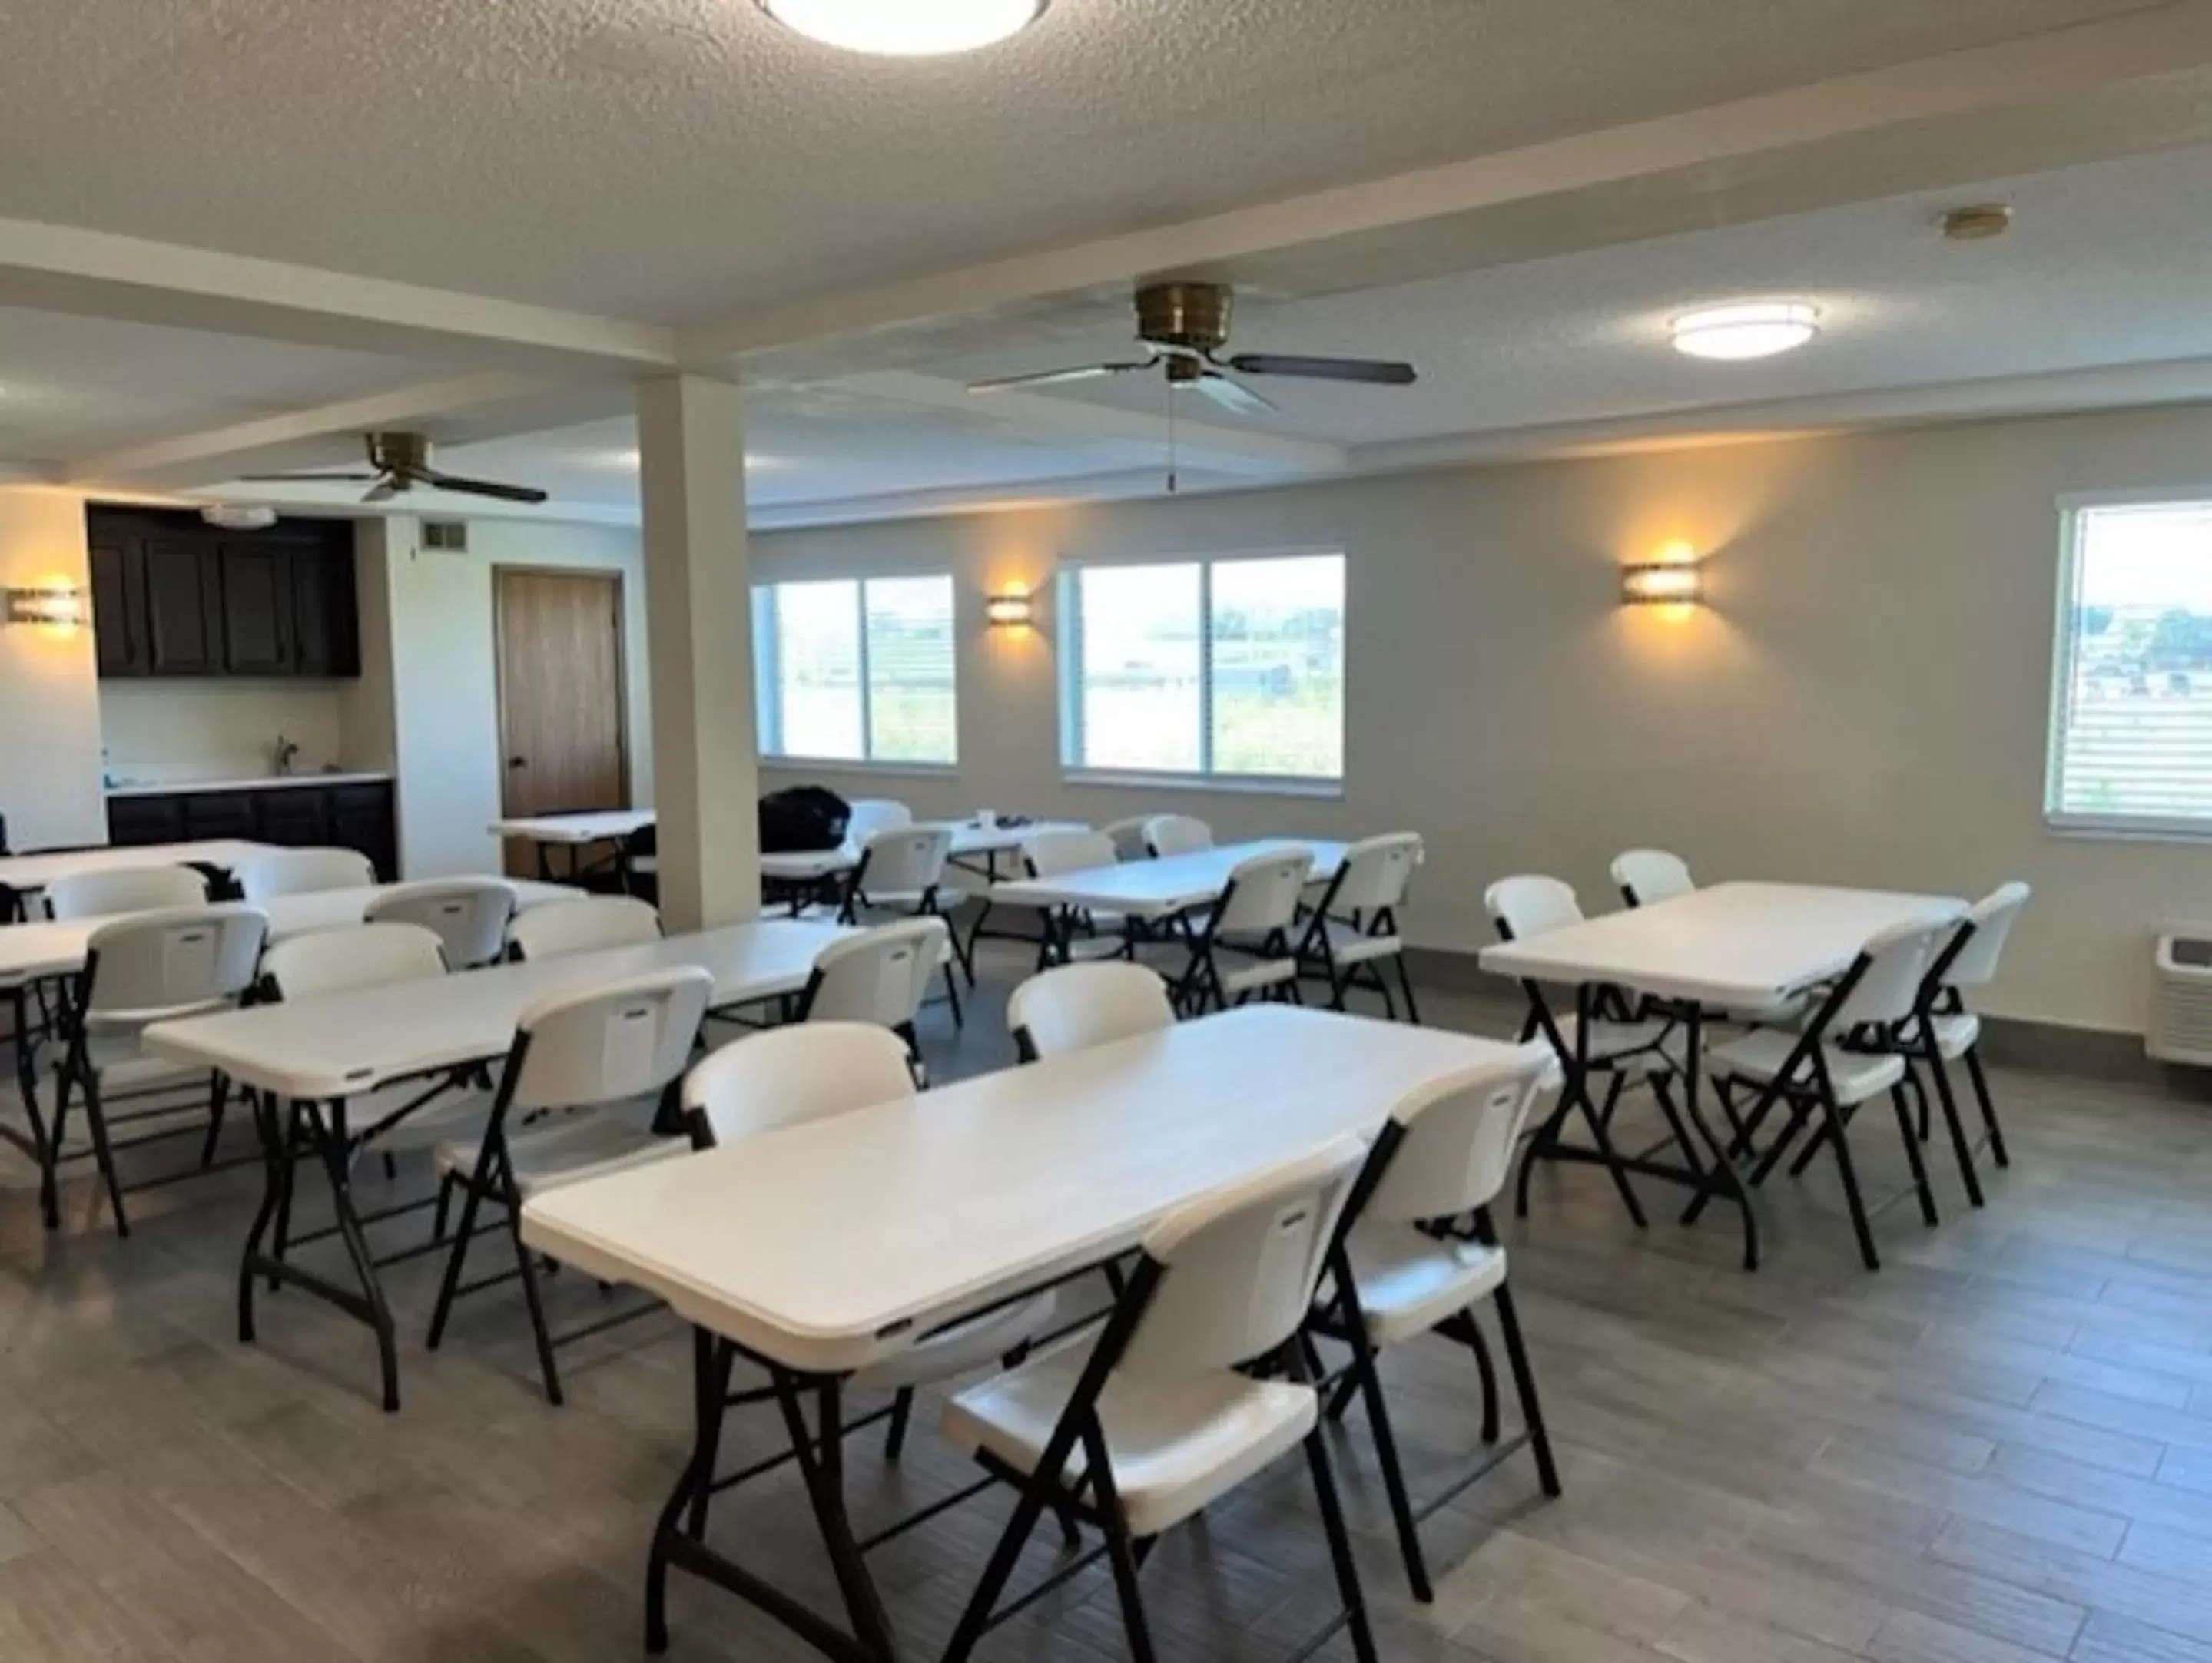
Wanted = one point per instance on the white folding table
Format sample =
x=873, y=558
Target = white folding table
x=572, y=831
x=972, y=840
x=1731, y=946
x=25, y=875
x=325, y=1049
x=975, y=1193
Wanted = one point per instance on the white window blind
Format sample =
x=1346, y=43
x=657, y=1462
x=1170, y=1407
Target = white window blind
x=1226, y=669
x=2131, y=709
x=848, y=670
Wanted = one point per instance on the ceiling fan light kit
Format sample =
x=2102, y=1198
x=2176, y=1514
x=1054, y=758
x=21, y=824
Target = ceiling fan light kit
x=906, y=29
x=1751, y=329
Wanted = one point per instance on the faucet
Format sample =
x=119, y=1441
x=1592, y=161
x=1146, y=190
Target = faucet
x=286, y=751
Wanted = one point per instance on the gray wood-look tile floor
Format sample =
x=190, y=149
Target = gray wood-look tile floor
x=1998, y=1449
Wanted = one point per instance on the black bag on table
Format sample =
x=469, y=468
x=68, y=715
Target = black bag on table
x=802, y=817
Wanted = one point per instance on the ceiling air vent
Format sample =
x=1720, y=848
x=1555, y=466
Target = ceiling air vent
x=2181, y=998
x=449, y=537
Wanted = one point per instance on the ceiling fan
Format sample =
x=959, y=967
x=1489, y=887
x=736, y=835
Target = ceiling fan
x=1184, y=327
x=400, y=462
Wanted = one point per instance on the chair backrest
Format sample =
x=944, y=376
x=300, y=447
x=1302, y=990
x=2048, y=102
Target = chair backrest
x=1455, y=1137
x=174, y=960
x=127, y=889
x=1375, y=873
x=1239, y=1265
x=1080, y=1005
x=879, y=975
x=361, y=956
x=1048, y=853
x=870, y=814
x=1897, y=962
x=304, y=871
x=1263, y=891
x=468, y=916
x=1128, y=837
x=608, y=1044
x=1529, y=905
x=1992, y=917
x=788, y=1075
x=904, y=858
x=1176, y=834
x=1646, y=875
x=583, y=927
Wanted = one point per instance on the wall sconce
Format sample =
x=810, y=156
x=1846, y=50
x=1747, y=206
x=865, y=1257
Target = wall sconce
x=1009, y=610
x=55, y=605
x=1663, y=583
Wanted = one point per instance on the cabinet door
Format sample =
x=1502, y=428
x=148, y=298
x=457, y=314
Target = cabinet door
x=184, y=609
x=135, y=822
x=294, y=817
x=326, y=636
x=119, y=608
x=219, y=815
x=256, y=608
x=360, y=818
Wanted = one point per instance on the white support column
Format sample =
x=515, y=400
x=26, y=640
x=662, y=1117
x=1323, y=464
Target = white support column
x=691, y=469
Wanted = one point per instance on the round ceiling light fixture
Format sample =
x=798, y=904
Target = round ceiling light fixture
x=907, y=28
x=1754, y=329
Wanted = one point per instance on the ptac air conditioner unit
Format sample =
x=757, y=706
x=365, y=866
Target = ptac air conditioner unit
x=2181, y=995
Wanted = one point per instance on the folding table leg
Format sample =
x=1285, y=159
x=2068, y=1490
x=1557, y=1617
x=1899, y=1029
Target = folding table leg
x=1723, y=1176
x=823, y=1471
x=335, y=1148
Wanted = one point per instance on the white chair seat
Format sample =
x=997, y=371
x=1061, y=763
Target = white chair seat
x=1176, y=1443
x=905, y=900
x=120, y=1067
x=1348, y=945
x=1957, y=1034
x=1778, y=1014
x=1632, y=1047
x=1409, y=1281
x=566, y=1152
x=1856, y=1075
x=1250, y=978
x=980, y=1342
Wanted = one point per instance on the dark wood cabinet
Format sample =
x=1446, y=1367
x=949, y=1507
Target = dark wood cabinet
x=173, y=596
x=356, y=815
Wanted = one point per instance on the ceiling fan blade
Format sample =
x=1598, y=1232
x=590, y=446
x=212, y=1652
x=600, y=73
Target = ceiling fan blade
x=1047, y=378
x=481, y=487
x=383, y=491
x=308, y=479
x=1377, y=372
x=1230, y=393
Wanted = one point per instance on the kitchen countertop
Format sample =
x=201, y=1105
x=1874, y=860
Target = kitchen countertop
x=272, y=782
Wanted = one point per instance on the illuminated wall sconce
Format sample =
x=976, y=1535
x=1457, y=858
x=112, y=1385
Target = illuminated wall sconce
x=1663, y=583
x=1011, y=611
x=53, y=605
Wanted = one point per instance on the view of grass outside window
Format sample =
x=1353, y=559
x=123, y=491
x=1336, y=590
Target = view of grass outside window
x=859, y=671
x=2131, y=738
x=1225, y=668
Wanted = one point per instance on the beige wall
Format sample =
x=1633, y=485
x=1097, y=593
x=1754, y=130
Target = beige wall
x=49, y=689
x=1864, y=701
x=429, y=691
x=219, y=729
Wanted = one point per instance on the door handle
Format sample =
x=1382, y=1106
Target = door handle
x=518, y=761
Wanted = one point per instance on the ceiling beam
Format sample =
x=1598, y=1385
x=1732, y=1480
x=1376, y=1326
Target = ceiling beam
x=2052, y=68
x=59, y=268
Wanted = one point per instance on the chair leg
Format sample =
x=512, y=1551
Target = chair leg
x=1989, y=1108
x=902, y=1412
x=96, y=1119
x=952, y=994
x=977, y=1616
x=1834, y=1126
x=511, y=1194
x=1913, y=1155
x=1406, y=987
x=1394, y=1473
x=475, y=1185
x=1524, y=1385
x=1961, y=1150
x=218, y=1100
x=1340, y=1550
x=1472, y=1337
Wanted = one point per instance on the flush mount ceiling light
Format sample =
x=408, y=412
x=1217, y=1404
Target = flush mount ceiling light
x=1755, y=329
x=906, y=29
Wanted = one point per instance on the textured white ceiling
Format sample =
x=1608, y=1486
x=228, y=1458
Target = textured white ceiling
x=669, y=158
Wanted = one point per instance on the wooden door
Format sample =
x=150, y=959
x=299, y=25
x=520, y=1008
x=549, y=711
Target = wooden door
x=561, y=718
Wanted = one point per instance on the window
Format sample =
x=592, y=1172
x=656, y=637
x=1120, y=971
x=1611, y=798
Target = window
x=1224, y=669
x=857, y=671
x=2131, y=713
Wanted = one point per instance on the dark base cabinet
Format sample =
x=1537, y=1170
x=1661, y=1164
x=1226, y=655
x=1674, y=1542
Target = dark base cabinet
x=357, y=815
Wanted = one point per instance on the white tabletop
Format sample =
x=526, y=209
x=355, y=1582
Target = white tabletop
x=970, y=839
x=599, y=827
x=49, y=948
x=991, y=1184
x=1156, y=889
x=24, y=873
x=1733, y=945
x=342, y=1043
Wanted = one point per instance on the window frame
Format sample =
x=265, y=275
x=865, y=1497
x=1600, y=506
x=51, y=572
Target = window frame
x=767, y=692
x=1067, y=593
x=2124, y=827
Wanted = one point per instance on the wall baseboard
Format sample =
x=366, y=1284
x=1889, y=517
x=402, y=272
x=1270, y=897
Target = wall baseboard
x=2090, y=1054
